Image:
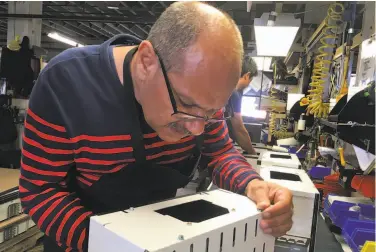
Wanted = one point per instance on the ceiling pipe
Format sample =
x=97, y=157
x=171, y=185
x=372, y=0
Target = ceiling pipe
x=112, y=19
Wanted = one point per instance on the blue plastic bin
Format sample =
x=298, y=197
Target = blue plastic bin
x=367, y=211
x=339, y=211
x=357, y=232
x=319, y=172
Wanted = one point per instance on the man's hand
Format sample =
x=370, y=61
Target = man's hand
x=276, y=204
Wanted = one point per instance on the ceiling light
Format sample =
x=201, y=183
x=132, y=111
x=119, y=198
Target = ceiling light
x=263, y=63
x=276, y=38
x=58, y=37
x=113, y=7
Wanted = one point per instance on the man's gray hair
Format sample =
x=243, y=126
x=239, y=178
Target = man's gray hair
x=179, y=27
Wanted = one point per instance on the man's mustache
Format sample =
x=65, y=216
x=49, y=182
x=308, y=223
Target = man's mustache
x=178, y=127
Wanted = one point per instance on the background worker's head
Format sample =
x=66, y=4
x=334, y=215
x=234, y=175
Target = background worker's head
x=201, y=49
x=249, y=70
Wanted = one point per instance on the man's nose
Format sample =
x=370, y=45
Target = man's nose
x=196, y=127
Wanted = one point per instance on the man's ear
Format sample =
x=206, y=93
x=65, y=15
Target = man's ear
x=147, y=56
x=246, y=76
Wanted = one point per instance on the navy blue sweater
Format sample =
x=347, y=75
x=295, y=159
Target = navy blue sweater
x=74, y=120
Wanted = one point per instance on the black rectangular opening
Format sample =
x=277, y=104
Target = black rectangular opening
x=194, y=211
x=280, y=156
x=284, y=176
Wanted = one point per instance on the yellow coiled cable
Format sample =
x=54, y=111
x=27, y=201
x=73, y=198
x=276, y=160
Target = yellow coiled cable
x=317, y=106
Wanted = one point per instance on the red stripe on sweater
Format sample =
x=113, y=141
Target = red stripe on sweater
x=163, y=143
x=247, y=178
x=90, y=176
x=101, y=138
x=42, y=172
x=104, y=151
x=170, y=152
x=151, y=135
x=49, y=210
x=31, y=197
x=46, y=136
x=44, y=148
x=216, y=130
x=44, y=202
x=117, y=168
x=64, y=221
x=236, y=174
x=226, y=148
x=22, y=189
x=44, y=122
x=81, y=239
x=44, y=160
x=103, y=162
x=214, y=140
x=58, y=215
x=35, y=182
x=78, y=221
x=84, y=181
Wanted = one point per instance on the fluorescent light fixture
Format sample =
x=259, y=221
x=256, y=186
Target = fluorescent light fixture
x=276, y=39
x=263, y=63
x=58, y=37
x=113, y=7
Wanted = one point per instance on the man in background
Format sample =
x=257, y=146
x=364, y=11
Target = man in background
x=237, y=130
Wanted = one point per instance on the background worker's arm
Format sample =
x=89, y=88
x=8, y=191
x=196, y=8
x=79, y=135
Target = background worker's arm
x=231, y=171
x=241, y=134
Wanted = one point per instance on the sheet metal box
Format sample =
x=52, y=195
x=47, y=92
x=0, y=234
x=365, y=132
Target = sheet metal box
x=279, y=159
x=209, y=221
x=305, y=198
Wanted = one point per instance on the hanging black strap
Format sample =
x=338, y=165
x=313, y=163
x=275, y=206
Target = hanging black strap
x=130, y=101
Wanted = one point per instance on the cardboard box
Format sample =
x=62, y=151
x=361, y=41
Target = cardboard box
x=305, y=198
x=209, y=221
x=14, y=226
x=279, y=159
x=10, y=204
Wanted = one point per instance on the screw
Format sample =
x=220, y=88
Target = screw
x=233, y=209
x=181, y=237
x=131, y=209
x=189, y=223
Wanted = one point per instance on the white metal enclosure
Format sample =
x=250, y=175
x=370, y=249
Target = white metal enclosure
x=143, y=229
x=279, y=159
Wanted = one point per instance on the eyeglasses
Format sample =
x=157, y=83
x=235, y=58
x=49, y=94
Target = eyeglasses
x=227, y=114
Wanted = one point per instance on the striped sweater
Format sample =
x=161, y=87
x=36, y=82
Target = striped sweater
x=74, y=122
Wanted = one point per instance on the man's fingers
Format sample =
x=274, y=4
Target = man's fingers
x=259, y=193
x=277, y=221
x=282, y=204
x=280, y=230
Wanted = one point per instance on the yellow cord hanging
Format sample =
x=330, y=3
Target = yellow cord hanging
x=317, y=106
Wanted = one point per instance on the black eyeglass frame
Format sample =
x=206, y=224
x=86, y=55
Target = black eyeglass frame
x=173, y=101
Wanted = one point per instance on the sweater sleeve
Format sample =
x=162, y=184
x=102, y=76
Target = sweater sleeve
x=47, y=158
x=231, y=171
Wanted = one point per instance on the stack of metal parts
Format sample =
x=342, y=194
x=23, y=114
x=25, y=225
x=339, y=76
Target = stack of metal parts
x=17, y=231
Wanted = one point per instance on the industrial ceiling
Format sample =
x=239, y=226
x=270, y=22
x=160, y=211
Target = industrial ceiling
x=92, y=22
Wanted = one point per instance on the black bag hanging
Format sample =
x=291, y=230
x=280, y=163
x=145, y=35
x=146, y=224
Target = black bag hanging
x=8, y=130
